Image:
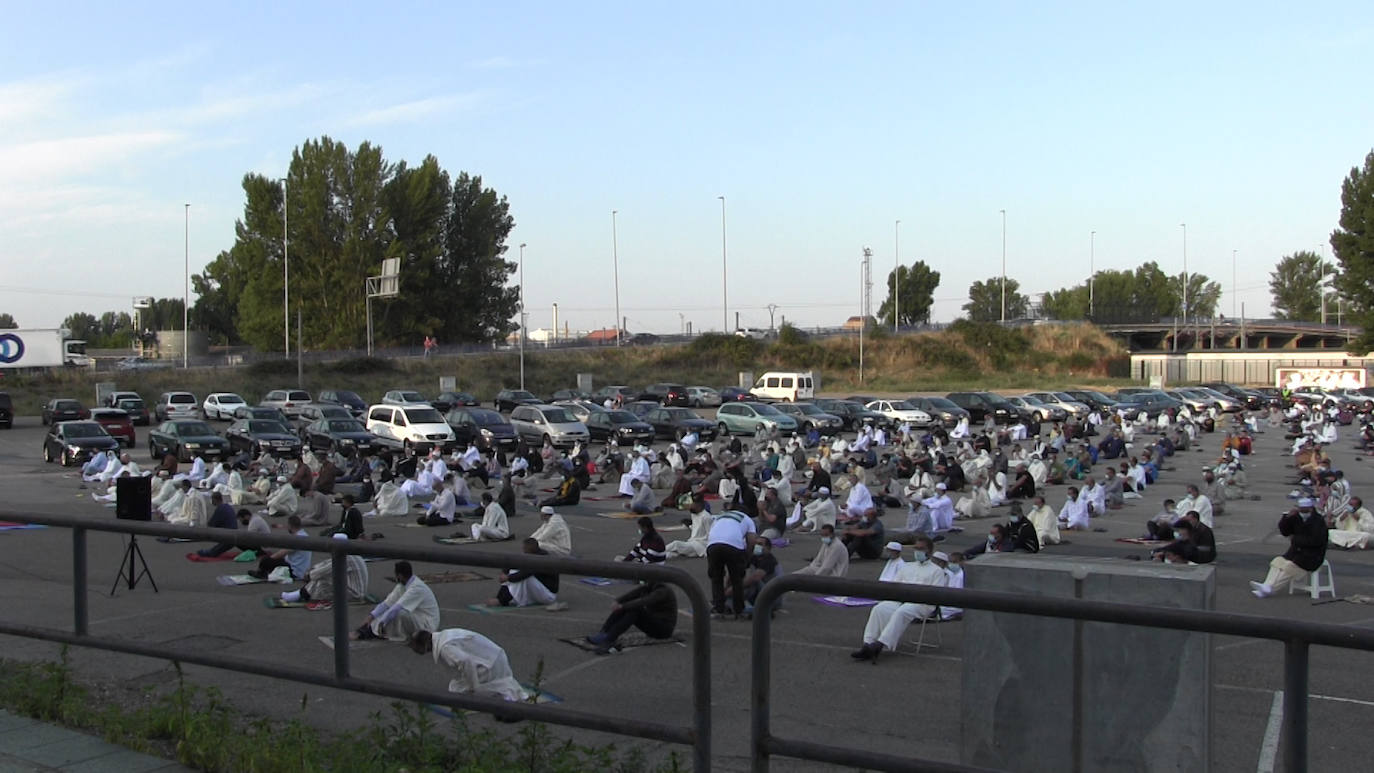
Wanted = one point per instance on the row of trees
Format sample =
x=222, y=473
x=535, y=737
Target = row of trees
x=346, y=211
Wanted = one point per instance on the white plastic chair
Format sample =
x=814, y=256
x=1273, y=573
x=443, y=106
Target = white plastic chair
x=1314, y=584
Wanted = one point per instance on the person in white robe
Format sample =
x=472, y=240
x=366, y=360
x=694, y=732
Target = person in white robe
x=553, y=534
x=1354, y=529
x=960, y=430
x=997, y=490
x=690, y=441
x=407, y=610
x=111, y=471
x=888, y=620
x=1196, y=501
x=820, y=511
x=954, y=569
x=444, y=508
x=639, y=471
x=417, y=488
x=860, y=501
x=831, y=559
x=218, y=476
x=319, y=581
x=235, y=490
x=494, y=526
x=285, y=500
x=172, y=505
x=697, y=535
x=726, y=490
x=97, y=464
x=1039, y=472
x=941, y=508
x=787, y=467
x=390, y=500
x=1076, y=513
x=1096, y=494
x=313, y=508
x=892, y=567
x=197, y=473
x=863, y=441
x=480, y=666
x=880, y=437
x=1046, y=523
x=976, y=504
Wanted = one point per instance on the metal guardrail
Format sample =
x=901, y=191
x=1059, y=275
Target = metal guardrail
x=698, y=735
x=1296, y=637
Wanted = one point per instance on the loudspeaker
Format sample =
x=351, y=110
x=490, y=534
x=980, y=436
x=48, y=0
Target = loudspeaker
x=134, y=499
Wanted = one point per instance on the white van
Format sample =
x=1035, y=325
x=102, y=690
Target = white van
x=790, y=387
x=414, y=428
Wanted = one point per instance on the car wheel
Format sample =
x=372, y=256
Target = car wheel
x=66, y=459
x=152, y=451
x=722, y=430
x=47, y=454
x=408, y=448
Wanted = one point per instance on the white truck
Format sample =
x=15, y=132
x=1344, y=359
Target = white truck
x=48, y=348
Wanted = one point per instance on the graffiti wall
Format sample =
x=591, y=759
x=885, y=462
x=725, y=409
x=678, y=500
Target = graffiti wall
x=1327, y=378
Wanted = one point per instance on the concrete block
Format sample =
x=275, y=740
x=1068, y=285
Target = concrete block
x=1142, y=695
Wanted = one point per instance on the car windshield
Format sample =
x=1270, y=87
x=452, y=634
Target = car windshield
x=230, y=400
x=808, y=409
x=941, y=403
x=764, y=409
x=110, y=415
x=902, y=405
x=1028, y=400
x=424, y=416
x=302, y=397
x=995, y=399
x=412, y=397
x=1098, y=396
x=345, y=425
x=621, y=417
x=560, y=416
x=83, y=430
x=263, y=427
x=681, y=413
x=347, y=397
x=194, y=429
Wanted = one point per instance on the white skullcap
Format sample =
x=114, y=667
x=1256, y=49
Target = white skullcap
x=1305, y=502
x=941, y=555
x=340, y=535
x=546, y=510
x=894, y=546
x=940, y=486
x=823, y=490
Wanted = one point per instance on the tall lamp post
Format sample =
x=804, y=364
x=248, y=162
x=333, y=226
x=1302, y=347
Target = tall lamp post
x=896, y=274
x=186, y=297
x=285, y=276
x=522, y=315
x=615, y=274
x=1004, y=265
x=1234, y=287
x=724, y=275
x=1092, y=271
x=1184, y=226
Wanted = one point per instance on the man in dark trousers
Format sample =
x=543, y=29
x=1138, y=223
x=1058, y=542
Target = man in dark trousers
x=1306, y=533
x=350, y=522
x=651, y=607
x=727, y=550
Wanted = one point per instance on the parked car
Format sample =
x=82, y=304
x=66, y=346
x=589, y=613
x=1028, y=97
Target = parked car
x=260, y=436
x=564, y=395
x=1362, y=402
x=116, y=422
x=137, y=410
x=702, y=397
x=980, y=405
x=900, y=411
x=483, y=426
x=808, y=415
x=186, y=439
x=350, y=400
x=1273, y=395
x=345, y=435
x=582, y=409
x=853, y=415
x=175, y=405
x=1224, y=402
x=221, y=405
x=737, y=395
x=444, y=401
x=1195, y=403
x=255, y=412
x=665, y=394
x=622, y=426
x=1038, y=411
x=1248, y=397
x=789, y=386
x=414, y=429
x=74, y=442
x=640, y=408
x=748, y=418
x=612, y=392
x=290, y=401
x=677, y=422
x=112, y=399
x=508, y=399
x=1093, y=399
x=64, y=409
x=141, y=363
x=1151, y=401
x=6, y=411
x=1063, y=400
x=316, y=411
x=941, y=409
x=404, y=397
x=537, y=424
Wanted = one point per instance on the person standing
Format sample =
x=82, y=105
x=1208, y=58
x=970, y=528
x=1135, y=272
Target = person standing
x=1307, y=538
x=727, y=546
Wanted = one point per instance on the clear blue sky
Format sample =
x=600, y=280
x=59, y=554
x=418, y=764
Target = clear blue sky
x=821, y=123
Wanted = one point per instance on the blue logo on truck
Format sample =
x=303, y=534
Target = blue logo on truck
x=11, y=348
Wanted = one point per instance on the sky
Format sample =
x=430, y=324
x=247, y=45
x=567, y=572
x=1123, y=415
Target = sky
x=822, y=125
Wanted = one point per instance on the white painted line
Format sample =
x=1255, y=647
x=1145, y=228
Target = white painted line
x=1341, y=700
x=1269, y=749
x=580, y=666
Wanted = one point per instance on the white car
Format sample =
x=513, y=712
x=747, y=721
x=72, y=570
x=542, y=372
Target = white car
x=1062, y=400
x=900, y=411
x=404, y=397
x=221, y=405
x=414, y=429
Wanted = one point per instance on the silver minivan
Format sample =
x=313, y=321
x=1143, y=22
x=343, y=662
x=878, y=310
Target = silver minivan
x=537, y=423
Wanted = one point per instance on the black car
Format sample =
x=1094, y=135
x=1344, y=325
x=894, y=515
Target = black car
x=676, y=422
x=258, y=412
x=737, y=395
x=486, y=428
x=350, y=400
x=612, y=392
x=6, y=410
x=185, y=439
x=940, y=409
x=137, y=410
x=1250, y=399
x=258, y=436
x=665, y=394
x=64, y=409
x=980, y=405
x=346, y=435
x=861, y=399
x=853, y=415
x=507, y=399
x=809, y=415
x=640, y=408
x=445, y=401
x=1152, y=402
x=73, y=442
x=564, y=395
x=1094, y=399
x=622, y=426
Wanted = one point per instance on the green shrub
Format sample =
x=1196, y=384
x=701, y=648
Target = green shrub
x=363, y=365
x=272, y=369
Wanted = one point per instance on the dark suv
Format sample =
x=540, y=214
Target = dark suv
x=982, y=404
x=6, y=411
x=344, y=397
x=666, y=394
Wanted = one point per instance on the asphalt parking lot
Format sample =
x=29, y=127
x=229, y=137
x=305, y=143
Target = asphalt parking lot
x=906, y=703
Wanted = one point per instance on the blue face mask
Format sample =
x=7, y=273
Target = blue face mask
x=920, y=556
x=758, y=550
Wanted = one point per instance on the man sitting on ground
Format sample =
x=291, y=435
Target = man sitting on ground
x=642, y=501
x=298, y=561
x=1354, y=528
x=409, y=609
x=494, y=526
x=319, y=581
x=569, y=492
x=350, y=522
x=523, y=588
x=553, y=534
x=1193, y=543
x=865, y=539
x=650, y=548
x=651, y=607
x=831, y=560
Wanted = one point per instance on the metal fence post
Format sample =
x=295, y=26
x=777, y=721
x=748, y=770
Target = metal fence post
x=1295, y=705
x=761, y=668
x=339, y=564
x=79, y=580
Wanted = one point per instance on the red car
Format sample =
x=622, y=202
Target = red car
x=116, y=422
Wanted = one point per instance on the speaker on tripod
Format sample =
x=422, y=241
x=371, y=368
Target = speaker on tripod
x=133, y=502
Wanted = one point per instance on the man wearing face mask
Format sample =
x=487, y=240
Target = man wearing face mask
x=763, y=566
x=832, y=560
x=1193, y=543
x=1306, y=533
x=888, y=621
x=1021, y=532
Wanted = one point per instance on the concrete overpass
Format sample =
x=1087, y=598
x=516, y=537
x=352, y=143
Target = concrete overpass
x=1231, y=335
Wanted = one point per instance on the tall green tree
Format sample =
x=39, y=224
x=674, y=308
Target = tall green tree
x=916, y=284
x=985, y=300
x=1296, y=286
x=1353, y=244
x=1067, y=303
x=7, y=322
x=474, y=266
x=1203, y=296
x=83, y=326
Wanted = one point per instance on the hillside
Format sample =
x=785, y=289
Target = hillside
x=965, y=356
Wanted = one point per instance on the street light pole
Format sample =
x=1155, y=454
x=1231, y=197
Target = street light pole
x=724, y=275
x=1092, y=272
x=896, y=274
x=1234, y=287
x=615, y=272
x=186, y=298
x=1004, y=265
x=285, y=276
x=1184, y=226
x=522, y=315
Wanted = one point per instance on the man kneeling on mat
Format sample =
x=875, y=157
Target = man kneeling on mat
x=521, y=588
x=319, y=581
x=407, y=610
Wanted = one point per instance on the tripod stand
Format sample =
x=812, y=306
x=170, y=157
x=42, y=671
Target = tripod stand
x=131, y=552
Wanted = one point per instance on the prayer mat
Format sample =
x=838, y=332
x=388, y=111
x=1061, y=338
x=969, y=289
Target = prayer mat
x=624, y=515
x=781, y=542
x=245, y=579
x=844, y=601
x=600, y=582
x=486, y=610
x=540, y=696
x=353, y=646
x=12, y=526
x=454, y=576
x=275, y=602
x=466, y=540
x=673, y=528
x=628, y=640
x=247, y=557
x=1142, y=541
x=198, y=558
